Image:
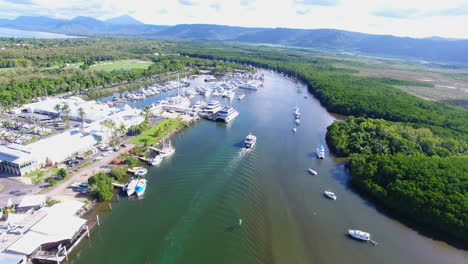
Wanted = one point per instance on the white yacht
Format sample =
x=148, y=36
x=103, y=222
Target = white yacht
x=250, y=141
x=313, y=172
x=294, y=129
x=297, y=121
x=358, y=234
x=212, y=107
x=141, y=172
x=321, y=152
x=156, y=160
x=242, y=96
x=167, y=150
x=227, y=114
x=199, y=105
x=229, y=94
x=210, y=79
x=131, y=186
x=330, y=195
x=140, y=187
x=249, y=86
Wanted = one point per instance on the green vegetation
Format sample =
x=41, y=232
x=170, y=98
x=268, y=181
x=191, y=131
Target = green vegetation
x=121, y=65
x=428, y=190
x=157, y=132
x=377, y=136
x=101, y=186
x=117, y=173
x=50, y=202
x=51, y=181
x=61, y=173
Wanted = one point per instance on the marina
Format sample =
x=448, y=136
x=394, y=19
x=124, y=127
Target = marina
x=214, y=201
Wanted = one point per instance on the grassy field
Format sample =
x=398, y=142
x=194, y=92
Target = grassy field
x=157, y=132
x=123, y=64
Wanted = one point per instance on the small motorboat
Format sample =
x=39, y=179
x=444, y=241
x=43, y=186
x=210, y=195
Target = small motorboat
x=297, y=121
x=141, y=172
x=313, y=172
x=130, y=187
x=156, y=160
x=360, y=235
x=140, y=187
x=330, y=195
x=294, y=129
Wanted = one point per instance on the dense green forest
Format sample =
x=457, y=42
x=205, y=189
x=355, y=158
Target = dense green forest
x=377, y=136
x=428, y=190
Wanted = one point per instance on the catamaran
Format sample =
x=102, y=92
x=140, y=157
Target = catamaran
x=227, y=114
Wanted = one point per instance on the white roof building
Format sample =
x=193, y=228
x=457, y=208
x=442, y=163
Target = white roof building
x=32, y=201
x=60, y=147
x=59, y=224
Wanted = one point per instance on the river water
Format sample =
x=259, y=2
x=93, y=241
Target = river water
x=191, y=210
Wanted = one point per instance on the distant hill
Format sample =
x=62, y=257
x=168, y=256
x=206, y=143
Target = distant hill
x=123, y=20
x=436, y=49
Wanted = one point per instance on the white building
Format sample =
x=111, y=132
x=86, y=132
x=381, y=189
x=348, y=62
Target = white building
x=17, y=159
x=62, y=146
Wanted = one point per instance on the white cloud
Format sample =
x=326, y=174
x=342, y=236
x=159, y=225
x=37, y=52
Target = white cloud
x=417, y=18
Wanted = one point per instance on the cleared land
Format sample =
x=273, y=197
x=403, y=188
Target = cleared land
x=450, y=86
x=122, y=64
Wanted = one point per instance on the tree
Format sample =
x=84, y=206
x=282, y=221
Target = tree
x=58, y=108
x=62, y=173
x=81, y=114
x=101, y=186
x=117, y=173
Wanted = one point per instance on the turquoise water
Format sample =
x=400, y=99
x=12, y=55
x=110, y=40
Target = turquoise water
x=194, y=200
x=16, y=33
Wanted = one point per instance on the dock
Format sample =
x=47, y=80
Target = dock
x=118, y=185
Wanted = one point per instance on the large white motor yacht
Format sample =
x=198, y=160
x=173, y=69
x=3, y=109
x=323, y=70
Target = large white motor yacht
x=358, y=234
x=250, y=141
x=212, y=107
x=227, y=114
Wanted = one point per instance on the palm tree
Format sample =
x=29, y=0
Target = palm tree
x=122, y=129
x=82, y=115
x=58, y=108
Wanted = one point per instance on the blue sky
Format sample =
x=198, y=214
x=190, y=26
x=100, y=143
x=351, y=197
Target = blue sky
x=415, y=18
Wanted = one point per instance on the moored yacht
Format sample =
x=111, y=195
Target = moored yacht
x=198, y=105
x=141, y=172
x=156, y=160
x=229, y=94
x=140, y=187
x=242, y=96
x=250, y=141
x=358, y=234
x=212, y=107
x=167, y=150
x=227, y=114
x=321, y=152
x=131, y=186
x=330, y=195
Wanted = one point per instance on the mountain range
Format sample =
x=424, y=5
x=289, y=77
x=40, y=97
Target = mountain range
x=434, y=49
